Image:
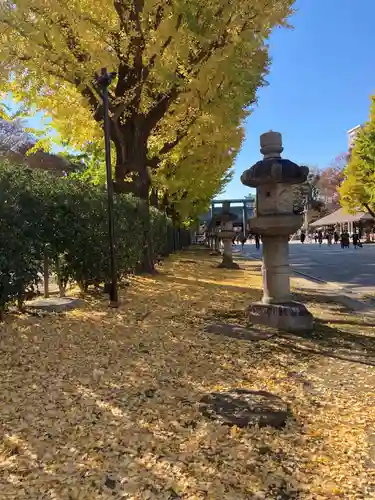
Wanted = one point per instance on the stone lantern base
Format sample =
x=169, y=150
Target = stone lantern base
x=289, y=316
x=227, y=263
x=274, y=177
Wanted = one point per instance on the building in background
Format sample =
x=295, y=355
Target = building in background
x=15, y=144
x=352, y=135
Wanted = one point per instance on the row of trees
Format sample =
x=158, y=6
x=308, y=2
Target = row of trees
x=321, y=189
x=65, y=220
x=187, y=75
x=358, y=189
x=350, y=180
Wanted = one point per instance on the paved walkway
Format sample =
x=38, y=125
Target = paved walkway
x=348, y=268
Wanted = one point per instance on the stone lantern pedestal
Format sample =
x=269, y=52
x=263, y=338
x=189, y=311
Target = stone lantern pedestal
x=213, y=240
x=273, y=177
x=227, y=234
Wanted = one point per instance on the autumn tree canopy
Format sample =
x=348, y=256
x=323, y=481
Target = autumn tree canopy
x=186, y=70
x=358, y=188
x=330, y=180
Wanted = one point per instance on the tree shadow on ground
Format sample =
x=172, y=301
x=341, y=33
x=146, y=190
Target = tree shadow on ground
x=323, y=298
x=113, y=410
x=239, y=332
x=206, y=284
x=325, y=340
x=106, y=400
x=359, y=322
x=334, y=342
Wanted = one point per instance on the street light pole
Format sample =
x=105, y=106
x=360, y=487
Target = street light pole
x=104, y=80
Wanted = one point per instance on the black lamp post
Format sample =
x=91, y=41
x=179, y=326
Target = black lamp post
x=104, y=81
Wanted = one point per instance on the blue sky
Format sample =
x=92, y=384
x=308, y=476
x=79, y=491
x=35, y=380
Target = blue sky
x=322, y=75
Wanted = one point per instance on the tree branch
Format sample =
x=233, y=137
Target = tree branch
x=169, y=145
x=159, y=10
x=72, y=42
x=195, y=61
x=131, y=68
x=370, y=211
x=165, y=45
x=121, y=12
x=181, y=133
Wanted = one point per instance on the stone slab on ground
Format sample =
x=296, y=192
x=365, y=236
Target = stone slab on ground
x=54, y=304
x=242, y=408
x=290, y=316
x=237, y=331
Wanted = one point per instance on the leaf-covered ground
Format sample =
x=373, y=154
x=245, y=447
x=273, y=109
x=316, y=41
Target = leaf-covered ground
x=102, y=404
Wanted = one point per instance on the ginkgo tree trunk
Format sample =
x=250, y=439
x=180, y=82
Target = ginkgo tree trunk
x=179, y=64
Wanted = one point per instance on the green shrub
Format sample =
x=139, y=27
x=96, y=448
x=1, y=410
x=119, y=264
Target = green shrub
x=20, y=236
x=161, y=229
x=67, y=220
x=86, y=256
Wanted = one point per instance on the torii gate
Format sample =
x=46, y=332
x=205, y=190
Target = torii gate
x=247, y=208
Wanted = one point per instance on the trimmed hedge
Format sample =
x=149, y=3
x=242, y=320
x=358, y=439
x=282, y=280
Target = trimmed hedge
x=66, y=220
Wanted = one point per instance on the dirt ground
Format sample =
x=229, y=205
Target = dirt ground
x=104, y=404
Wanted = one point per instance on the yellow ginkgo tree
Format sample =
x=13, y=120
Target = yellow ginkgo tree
x=177, y=62
x=182, y=65
x=357, y=191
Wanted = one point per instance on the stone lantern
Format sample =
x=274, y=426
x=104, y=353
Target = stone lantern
x=273, y=178
x=227, y=234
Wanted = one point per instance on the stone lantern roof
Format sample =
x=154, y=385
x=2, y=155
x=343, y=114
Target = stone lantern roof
x=273, y=169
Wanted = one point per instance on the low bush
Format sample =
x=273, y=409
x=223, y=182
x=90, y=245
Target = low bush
x=66, y=221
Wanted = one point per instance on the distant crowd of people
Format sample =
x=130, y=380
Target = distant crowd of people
x=331, y=237
x=335, y=237
x=242, y=238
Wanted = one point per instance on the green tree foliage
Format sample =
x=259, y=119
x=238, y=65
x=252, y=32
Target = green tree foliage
x=357, y=191
x=67, y=218
x=20, y=238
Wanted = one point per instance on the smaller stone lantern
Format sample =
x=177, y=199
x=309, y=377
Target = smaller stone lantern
x=227, y=234
x=213, y=239
x=273, y=178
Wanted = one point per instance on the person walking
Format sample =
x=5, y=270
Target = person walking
x=243, y=241
x=345, y=239
x=257, y=241
x=355, y=239
x=302, y=237
x=320, y=238
x=336, y=237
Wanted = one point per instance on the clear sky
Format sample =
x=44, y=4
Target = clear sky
x=321, y=78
